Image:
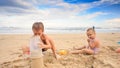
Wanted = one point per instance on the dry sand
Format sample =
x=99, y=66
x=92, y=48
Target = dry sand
x=11, y=53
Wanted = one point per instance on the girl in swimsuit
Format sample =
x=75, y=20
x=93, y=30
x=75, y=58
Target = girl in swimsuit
x=93, y=44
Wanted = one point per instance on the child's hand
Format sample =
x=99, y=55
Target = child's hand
x=41, y=45
x=88, y=40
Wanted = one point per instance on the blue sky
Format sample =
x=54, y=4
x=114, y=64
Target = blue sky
x=60, y=13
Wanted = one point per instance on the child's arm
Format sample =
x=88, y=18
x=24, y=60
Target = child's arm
x=47, y=45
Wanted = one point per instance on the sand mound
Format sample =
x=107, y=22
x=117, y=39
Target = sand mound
x=107, y=58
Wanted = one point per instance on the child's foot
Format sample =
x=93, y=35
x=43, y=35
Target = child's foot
x=71, y=52
x=74, y=48
x=57, y=56
x=26, y=56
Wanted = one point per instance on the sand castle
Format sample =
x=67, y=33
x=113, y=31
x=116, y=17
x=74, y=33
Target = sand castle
x=36, y=55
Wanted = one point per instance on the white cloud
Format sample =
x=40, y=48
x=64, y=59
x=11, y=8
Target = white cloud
x=50, y=18
x=110, y=1
x=94, y=15
x=63, y=15
x=115, y=22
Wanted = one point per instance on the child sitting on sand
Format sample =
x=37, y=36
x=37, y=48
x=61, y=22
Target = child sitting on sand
x=38, y=29
x=93, y=44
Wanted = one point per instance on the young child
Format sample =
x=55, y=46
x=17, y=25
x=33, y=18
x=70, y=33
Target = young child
x=38, y=29
x=93, y=44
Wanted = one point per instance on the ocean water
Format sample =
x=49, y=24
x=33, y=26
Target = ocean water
x=118, y=42
x=12, y=30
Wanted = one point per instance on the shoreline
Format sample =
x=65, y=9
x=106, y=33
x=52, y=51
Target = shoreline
x=55, y=33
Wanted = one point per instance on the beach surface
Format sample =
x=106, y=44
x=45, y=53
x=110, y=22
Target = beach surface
x=11, y=54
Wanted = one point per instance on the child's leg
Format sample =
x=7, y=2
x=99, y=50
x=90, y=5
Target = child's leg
x=87, y=51
x=79, y=48
x=76, y=52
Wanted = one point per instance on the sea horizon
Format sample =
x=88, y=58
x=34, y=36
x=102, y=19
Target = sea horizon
x=17, y=30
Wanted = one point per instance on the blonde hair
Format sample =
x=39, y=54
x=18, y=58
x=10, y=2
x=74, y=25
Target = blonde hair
x=91, y=29
x=38, y=25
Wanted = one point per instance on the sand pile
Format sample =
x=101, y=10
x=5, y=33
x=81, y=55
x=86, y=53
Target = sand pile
x=107, y=58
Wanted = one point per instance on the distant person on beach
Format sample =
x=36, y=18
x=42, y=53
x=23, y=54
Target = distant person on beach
x=93, y=44
x=94, y=27
x=118, y=50
x=38, y=29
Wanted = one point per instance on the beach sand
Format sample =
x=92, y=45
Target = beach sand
x=11, y=54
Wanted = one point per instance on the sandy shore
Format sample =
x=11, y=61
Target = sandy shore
x=11, y=54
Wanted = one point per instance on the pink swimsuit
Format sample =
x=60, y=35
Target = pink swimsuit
x=95, y=49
